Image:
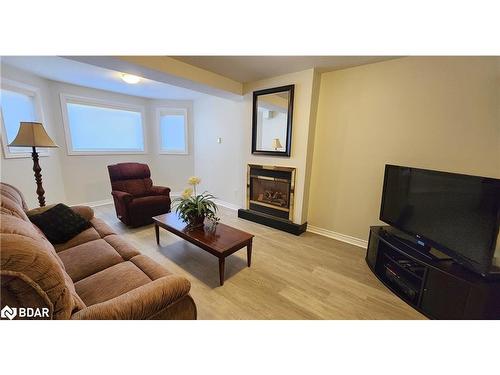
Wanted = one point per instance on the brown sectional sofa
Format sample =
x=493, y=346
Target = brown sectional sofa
x=95, y=275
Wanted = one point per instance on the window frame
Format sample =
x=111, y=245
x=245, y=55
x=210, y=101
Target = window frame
x=167, y=110
x=75, y=99
x=35, y=93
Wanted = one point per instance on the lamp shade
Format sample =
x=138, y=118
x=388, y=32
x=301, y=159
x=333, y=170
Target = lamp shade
x=32, y=134
x=277, y=143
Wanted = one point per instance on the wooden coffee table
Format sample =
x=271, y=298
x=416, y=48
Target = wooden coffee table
x=224, y=241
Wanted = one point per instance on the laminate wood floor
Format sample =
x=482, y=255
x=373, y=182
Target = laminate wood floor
x=305, y=277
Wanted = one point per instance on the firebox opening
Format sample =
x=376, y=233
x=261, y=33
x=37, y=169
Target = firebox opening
x=270, y=190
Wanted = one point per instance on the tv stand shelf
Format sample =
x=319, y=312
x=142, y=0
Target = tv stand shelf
x=438, y=288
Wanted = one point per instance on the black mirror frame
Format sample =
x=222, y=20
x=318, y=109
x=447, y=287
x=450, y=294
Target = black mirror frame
x=288, y=142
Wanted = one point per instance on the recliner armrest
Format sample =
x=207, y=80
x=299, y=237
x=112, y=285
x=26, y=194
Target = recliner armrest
x=140, y=303
x=122, y=195
x=160, y=190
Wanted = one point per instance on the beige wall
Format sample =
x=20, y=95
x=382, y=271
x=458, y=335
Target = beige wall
x=222, y=167
x=431, y=112
x=18, y=171
x=84, y=179
x=167, y=169
x=184, y=75
x=301, y=133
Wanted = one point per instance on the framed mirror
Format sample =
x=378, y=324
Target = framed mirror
x=272, y=121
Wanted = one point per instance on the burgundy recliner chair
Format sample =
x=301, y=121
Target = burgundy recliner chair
x=136, y=199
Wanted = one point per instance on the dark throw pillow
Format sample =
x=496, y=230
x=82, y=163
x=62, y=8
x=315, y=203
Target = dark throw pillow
x=60, y=223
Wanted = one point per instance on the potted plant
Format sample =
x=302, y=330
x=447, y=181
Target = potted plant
x=193, y=209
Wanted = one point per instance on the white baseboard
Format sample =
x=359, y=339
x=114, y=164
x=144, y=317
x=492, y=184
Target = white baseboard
x=310, y=228
x=231, y=206
x=218, y=202
x=95, y=203
x=110, y=201
x=104, y=202
x=338, y=236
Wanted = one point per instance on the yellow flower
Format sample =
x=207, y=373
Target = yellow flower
x=194, y=180
x=187, y=193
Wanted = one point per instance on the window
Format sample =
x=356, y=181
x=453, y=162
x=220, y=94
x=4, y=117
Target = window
x=99, y=127
x=18, y=102
x=173, y=131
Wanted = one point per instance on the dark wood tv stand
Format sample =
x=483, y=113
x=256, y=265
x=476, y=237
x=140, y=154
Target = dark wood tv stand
x=439, y=289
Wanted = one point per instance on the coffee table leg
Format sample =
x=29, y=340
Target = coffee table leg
x=221, y=270
x=249, y=253
x=157, y=232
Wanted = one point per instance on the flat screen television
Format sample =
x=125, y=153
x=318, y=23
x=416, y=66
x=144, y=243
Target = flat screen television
x=454, y=213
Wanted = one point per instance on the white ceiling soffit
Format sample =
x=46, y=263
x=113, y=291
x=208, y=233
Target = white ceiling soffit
x=254, y=68
x=77, y=73
x=117, y=64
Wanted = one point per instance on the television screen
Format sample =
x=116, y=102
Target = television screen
x=458, y=214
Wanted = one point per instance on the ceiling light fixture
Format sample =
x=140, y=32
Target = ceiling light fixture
x=129, y=78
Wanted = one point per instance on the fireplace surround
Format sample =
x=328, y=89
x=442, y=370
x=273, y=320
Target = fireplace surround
x=270, y=196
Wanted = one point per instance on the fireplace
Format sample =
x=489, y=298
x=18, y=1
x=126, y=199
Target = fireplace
x=270, y=193
x=270, y=190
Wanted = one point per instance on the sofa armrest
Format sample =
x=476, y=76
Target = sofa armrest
x=140, y=303
x=85, y=211
x=160, y=190
x=122, y=196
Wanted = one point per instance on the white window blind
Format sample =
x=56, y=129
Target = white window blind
x=173, y=131
x=100, y=128
x=16, y=107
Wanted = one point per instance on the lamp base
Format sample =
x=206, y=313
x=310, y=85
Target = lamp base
x=38, y=178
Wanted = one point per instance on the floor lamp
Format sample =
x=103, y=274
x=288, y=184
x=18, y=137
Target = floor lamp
x=32, y=134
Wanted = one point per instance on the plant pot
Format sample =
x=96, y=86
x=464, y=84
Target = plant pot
x=196, y=221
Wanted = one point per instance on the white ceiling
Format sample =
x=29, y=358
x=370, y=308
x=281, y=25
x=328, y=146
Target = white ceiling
x=87, y=75
x=253, y=68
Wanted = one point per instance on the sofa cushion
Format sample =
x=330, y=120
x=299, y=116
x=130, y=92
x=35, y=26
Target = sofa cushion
x=60, y=223
x=163, y=298
x=16, y=226
x=12, y=224
x=133, y=178
x=12, y=208
x=31, y=272
x=110, y=283
x=128, y=171
x=141, y=210
x=101, y=227
x=136, y=187
x=13, y=194
x=87, y=235
x=150, y=267
x=85, y=211
x=89, y=258
x=125, y=249
x=150, y=204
